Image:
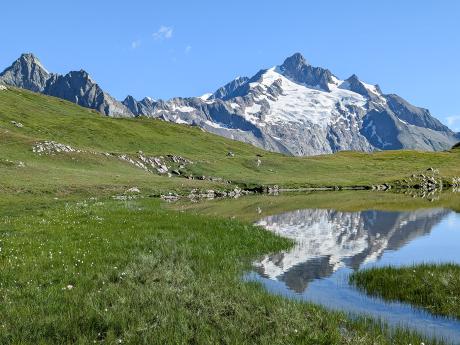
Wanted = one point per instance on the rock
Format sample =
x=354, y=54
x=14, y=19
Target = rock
x=180, y=160
x=156, y=164
x=273, y=189
x=133, y=190
x=210, y=194
x=17, y=124
x=3, y=87
x=52, y=147
x=221, y=194
x=171, y=197
x=123, y=197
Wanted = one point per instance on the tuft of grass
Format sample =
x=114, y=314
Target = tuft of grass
x=104, y=271
x=433, y=287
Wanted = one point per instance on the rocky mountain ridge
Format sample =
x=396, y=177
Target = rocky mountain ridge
x=294, y=108
x=27, y=72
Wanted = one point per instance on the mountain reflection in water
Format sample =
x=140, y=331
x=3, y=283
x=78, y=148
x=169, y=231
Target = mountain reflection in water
x=327, y=240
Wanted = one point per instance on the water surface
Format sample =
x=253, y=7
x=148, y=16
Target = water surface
x=331, y=244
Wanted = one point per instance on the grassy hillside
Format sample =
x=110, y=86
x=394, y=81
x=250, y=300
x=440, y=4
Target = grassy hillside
x=48, y=118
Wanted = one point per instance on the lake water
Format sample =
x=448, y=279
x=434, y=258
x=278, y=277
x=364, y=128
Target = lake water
x=331, y=244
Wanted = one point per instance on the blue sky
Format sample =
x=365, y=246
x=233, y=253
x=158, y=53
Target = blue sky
x=173, y=48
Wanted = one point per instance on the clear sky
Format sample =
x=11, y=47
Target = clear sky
x=173, y=48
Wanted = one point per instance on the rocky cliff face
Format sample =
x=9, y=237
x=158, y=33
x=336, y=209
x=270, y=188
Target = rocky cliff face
x=294, y=108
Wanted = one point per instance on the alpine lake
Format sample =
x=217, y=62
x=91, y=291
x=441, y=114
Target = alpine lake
x=338, y=233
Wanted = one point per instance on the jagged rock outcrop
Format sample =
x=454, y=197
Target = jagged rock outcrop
x=294, y=108
x=354, y=84
x=27, y=72
x=300, y=71
x=228, y=89
x=79, y=88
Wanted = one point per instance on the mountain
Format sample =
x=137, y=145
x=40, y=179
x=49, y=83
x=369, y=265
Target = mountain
x=27, y=72
x=227, y=90
x=78, y=87
x=294, y=108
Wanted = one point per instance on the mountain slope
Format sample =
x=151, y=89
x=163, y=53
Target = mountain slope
x=294, y=108
x=99, y=142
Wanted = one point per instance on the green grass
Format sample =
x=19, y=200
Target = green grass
x=48, y=118
x=108, y=271
x=433, y=287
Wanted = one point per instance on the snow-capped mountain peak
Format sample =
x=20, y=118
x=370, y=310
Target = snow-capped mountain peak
x=354, y=84
x=300, y=71
x=278, y=99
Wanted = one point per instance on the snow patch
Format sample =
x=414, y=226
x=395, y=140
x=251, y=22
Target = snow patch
x=253, y=109
x=205, y=97
x=180, y=121
x=183, y=109
x=371, y=88
x=302, y=104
